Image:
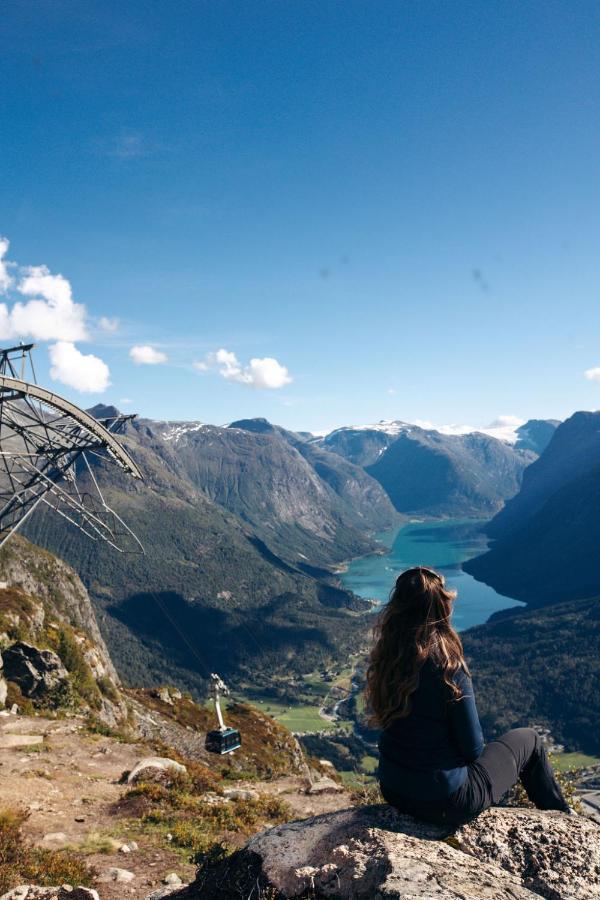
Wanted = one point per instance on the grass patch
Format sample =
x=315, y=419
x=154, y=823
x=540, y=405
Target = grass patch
x=96, y=842
x=20, y=863
x=571, y=762
x=72, y=656
x=357, y=781
x=96, y=726
x=369, y=764
x=304, y=718
x=191, y=808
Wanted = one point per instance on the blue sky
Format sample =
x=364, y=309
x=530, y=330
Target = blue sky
x=398, y=202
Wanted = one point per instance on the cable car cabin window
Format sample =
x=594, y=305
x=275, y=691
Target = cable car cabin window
x=223, y=741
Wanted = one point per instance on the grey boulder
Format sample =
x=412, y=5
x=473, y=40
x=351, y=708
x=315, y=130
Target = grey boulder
x=154, y=768
x=374, y=853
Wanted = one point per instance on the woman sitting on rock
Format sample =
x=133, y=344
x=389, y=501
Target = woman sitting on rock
x=433, y=762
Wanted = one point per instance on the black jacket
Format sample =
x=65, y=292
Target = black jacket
x=425, y=754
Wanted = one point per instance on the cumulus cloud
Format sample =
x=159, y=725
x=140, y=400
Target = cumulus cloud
x=83, y=371
x=42, y=309
x=258, y=373
x=109, y=325
x=5, y=278
x=506, y=421
x=145, y=355
x=593, y=374
x=51, y=315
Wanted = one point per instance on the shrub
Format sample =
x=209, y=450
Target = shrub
x=21, y=863
x=73, y=659
x=14, y=695
x=108, y=689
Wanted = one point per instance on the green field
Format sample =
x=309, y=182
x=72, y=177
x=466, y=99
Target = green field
x=301, y=717
x=305, y=718
x=568, y=762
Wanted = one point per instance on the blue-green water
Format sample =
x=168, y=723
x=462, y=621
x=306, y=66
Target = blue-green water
x=443, y=546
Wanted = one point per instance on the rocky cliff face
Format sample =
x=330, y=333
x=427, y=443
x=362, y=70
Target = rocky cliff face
x=53, y=653
x=372, y=853
x=58, y=587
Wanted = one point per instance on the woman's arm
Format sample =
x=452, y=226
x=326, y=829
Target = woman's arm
x=464, y=720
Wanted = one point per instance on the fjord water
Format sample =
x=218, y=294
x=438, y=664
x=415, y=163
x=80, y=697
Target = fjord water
x=442, y=545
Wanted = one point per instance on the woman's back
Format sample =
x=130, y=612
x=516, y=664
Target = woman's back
x=425, y=739
x=430, y=748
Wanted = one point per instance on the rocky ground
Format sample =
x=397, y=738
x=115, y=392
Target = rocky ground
x=68, y=780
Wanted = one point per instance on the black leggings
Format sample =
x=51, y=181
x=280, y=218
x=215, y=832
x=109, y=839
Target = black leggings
x=517, y=755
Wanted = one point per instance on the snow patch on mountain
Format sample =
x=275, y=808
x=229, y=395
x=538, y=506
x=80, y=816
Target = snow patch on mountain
x=176, y=430
x=504, y=428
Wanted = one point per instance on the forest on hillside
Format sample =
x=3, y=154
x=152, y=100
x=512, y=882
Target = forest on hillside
x=535, y=666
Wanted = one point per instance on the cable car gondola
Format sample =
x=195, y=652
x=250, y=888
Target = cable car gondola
x=221, y=740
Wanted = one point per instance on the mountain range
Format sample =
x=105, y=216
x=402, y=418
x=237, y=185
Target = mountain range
x=242, y=533
x=427, y=473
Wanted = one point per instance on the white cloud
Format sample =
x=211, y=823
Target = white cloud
x=504, y=428
x=51, y=316
x=593, y=374
x=259, y=373
x=84, y=372
x=107, y=324
x=5, y=278
x=507, y=422
x=49, y=313
x=145, y=355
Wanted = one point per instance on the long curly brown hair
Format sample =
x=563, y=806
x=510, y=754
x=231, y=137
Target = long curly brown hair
x=413, y=627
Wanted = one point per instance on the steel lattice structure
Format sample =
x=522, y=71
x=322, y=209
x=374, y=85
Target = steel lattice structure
x=44, y=439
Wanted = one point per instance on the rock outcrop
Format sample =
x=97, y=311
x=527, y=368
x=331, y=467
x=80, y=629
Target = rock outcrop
x=373, y=853
x=38, y=673
x=59, y=588
x=53, y=651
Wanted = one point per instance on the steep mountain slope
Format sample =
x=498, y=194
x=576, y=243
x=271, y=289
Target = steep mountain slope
x=303, y=502
x=428, y=473
x=573, y=450
x=40, y=574
x=540, y=665
x=547, y=536
x=212, y=593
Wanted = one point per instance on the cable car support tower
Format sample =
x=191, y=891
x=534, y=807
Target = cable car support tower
x=45, y=443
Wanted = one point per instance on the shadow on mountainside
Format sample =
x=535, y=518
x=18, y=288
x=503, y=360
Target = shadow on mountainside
x=190, y=636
